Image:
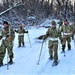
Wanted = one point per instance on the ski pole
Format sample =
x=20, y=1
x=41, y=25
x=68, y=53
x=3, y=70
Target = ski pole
x=29, y=40
x=59, y=44
x=7, y=53
x=74, y=39
x=40, y=52
x=7, y=60
x=64, y=54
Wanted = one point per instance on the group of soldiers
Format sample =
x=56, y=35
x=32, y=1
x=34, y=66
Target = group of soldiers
x=64, y=33
x=7, y=36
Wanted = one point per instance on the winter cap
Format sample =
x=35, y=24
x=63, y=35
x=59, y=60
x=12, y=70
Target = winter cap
x=53, y=23
x=20, y=25
x=5, y=22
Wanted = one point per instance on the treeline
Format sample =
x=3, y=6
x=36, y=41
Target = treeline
x=39, y=8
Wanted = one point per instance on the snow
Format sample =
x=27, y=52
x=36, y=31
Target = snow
x=48, y=22
x=26, y=58
x=31, y=17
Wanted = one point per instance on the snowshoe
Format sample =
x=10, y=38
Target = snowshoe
x=1, y=65
x=62, y=51
x=10, y=62
x=50, y=58
x=55, y=63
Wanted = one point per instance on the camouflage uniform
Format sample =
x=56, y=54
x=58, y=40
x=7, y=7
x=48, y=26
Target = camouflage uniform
x=60, y=23
x=66, y=35
x=7, y=37
x=73, y=29
x=53, y=34
x=21, y=32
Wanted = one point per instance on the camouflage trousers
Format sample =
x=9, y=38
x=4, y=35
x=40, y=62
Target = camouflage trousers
x=21, y=40
x=3, y=47
x=53, y=49
x=64, y=40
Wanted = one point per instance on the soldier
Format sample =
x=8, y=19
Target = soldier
x=7, y=37
x=66, y=32
x=21, y=32
x=73, y=29
x=53, y=34
x=60, y=23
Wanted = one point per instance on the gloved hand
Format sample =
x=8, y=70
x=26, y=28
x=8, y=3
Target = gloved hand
x=3, y=38
x=15, y=30
x=44, y=37
x=26, y=32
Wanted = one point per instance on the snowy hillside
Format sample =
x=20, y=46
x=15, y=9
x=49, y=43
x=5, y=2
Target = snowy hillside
x=26, y=58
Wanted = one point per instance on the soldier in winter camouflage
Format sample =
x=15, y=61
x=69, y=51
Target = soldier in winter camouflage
x=73, y=29
x=53, y=35
x=7, y=37
x=60, y=23
x=66, y=35
x=21, y=32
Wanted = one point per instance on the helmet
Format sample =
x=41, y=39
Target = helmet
x=53, y=23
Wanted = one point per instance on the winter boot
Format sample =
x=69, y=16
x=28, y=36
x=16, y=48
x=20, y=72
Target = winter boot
x=69, y=47
x=19, y=45
x=23, y=44
x=51, y=58
x=63, y=48
x=55, y=63
x=1, y=63
x=11, y=61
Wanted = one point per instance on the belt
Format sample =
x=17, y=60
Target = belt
x=66, y=33
x=53, y=39
x=20, y=34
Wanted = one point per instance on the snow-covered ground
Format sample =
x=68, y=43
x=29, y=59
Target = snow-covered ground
x=26, y=58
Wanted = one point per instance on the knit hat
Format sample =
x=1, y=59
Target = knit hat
x=5, y=22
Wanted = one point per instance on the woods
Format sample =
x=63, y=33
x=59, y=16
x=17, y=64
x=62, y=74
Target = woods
x=39, y=8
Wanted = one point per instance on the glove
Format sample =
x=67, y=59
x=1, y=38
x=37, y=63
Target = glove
x=15, y=30
x=3, y=38
x=44, y=37
x=26, y=32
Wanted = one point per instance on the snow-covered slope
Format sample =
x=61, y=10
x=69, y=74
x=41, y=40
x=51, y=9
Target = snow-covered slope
x=26, y=58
